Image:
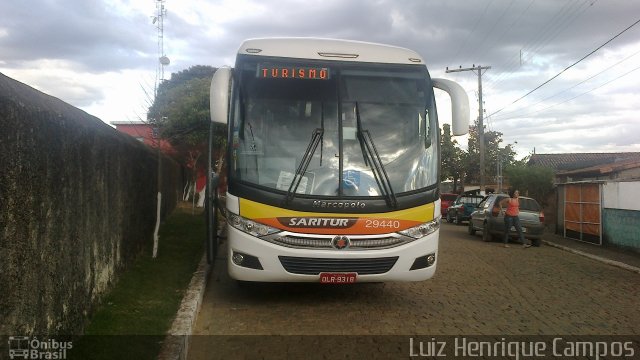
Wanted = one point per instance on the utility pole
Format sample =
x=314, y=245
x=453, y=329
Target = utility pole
x=478, y=70
x=499, y=172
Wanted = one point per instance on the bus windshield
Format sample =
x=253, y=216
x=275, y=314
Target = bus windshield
x=357, y=129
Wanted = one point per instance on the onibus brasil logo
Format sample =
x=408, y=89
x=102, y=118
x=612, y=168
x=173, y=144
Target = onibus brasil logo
x=25, y=347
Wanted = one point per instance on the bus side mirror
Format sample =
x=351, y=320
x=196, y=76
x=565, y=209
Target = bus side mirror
x=219, y=95
x=459, y=105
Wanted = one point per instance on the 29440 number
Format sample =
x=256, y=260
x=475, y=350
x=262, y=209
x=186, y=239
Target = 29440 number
x=391, y=224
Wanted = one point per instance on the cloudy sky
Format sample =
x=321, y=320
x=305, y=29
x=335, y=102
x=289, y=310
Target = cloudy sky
x=102, y=55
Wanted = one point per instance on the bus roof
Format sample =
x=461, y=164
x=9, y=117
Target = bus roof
x=330, y=49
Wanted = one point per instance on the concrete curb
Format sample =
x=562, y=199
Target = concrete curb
x=176, y=343
x=594, y=257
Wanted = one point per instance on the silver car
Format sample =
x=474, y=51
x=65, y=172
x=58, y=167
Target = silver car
x=488, y=219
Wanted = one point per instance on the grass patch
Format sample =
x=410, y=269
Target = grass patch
x=134, y=317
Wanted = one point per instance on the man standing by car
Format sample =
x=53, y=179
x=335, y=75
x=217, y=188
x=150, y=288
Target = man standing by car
x=512, y=203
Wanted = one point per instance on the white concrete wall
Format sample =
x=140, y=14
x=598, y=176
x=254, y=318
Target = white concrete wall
x=621, y=195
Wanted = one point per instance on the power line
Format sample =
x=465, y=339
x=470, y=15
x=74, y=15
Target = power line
x=508, y=30
x=562, y=22
x=537, y=36
x=495, y=23
x=584, y=93
x=569, y=67
x=506, y=115
x=464, y=43
x=553, y=28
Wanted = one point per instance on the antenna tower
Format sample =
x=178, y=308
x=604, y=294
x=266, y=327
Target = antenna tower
x=163, y=60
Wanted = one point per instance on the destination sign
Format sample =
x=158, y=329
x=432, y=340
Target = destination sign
x=267, y=71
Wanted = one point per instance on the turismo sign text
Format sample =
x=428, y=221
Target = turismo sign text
x=292, y=72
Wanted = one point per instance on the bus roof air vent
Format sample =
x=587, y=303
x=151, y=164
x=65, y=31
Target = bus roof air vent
x=338, y=55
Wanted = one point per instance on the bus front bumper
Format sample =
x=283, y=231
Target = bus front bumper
x=254, y=259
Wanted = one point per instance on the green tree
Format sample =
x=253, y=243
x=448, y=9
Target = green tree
x=181, y=107
x=532, y=181
x=492, y=154
x=181, y=113
x=452, y=157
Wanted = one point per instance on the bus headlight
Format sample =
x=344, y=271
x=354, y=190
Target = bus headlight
x=422, y=230
x=250, y=227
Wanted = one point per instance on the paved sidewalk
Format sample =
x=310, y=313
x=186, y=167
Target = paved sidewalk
x=627, y=259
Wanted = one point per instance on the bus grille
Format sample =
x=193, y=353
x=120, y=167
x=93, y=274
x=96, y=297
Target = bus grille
x=325, y=243
x=315, y=266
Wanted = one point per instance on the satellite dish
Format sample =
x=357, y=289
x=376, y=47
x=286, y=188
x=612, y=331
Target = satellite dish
x=164, y=60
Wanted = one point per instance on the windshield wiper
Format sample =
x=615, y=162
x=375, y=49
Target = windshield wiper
x=372, y=158
x=316, y=138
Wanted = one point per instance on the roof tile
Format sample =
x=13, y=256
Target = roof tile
x=572, y=161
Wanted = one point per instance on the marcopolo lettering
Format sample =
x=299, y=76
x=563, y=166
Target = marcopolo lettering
x=314, y=222
x=339, y=204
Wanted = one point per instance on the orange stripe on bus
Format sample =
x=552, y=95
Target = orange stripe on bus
x=364, y=226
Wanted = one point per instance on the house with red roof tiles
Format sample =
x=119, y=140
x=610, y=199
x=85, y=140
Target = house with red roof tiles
x=597, y=196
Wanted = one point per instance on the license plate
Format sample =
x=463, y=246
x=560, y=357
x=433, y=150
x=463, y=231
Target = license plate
x=338, y=278
x=524, y=229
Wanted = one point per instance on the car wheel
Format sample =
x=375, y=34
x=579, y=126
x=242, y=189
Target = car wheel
x=486, y=235
x=470, y=229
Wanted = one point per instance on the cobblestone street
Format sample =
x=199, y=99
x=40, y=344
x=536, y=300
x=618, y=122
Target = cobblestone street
x=479, y=289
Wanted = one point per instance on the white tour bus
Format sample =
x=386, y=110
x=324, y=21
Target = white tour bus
x=332, y=161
